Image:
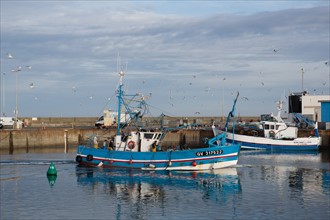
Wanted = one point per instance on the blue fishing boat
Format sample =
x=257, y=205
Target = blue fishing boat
x=141, y=148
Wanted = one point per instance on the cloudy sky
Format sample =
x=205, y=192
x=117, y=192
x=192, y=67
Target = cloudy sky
x=192, y=56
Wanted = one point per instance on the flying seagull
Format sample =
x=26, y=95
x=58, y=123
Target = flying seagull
x=19, y=68
x=9, y=56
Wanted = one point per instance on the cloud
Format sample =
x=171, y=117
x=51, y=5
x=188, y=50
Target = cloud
x=162, y=48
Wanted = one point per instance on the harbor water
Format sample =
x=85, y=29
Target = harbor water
x=262, y=186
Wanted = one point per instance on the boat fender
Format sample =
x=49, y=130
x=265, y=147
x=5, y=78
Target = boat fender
x=271, y=133
x=131, y=145
x=89, y=157
x=78, y=159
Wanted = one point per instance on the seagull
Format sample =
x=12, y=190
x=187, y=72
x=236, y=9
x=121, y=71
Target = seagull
x=275, y=51
x=31, y=85
x=9, y=56
x=19, y=68
x=194, y=76
x=197, y=113
x=262, y=83
x=245, y=98
x=74, y=89
x=326, y=63
x=29, y=67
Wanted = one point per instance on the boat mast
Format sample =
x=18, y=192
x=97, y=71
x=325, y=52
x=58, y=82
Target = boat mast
x=119, y=94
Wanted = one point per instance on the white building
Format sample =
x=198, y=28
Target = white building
x=311, y=105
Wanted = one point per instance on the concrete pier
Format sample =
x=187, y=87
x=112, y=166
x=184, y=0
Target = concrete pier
x=65, y=134
x=67, y=140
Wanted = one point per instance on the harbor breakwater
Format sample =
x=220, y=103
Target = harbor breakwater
x=67, y=140
x=65, y=134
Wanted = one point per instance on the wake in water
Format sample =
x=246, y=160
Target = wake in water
x=35, y=162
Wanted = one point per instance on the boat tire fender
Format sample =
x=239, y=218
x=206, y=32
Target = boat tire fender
x=131, y=145
x=89, y=157
x=78, y=159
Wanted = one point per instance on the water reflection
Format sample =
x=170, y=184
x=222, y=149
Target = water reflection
x=297, y=172
x=141, y=189
x=51, y=180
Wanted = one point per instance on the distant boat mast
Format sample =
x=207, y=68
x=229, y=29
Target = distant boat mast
x=302, y=80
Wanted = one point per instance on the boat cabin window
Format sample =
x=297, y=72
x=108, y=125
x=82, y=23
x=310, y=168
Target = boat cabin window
x=158, y=136
x=148, y=135
x=266, y=127
x=266, y=117
x=272, y=127
x=277, y=127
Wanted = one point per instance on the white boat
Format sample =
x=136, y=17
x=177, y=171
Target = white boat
x=271, y=133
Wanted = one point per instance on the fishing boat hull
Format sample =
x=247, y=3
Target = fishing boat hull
x=261, y=143
x=192, y=159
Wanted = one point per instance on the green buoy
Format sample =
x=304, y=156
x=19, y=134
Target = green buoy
x=52, y=170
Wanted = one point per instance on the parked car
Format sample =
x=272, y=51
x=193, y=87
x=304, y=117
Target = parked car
x=8, y=122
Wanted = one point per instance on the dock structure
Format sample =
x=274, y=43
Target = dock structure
x=51, y=134
x=167, y=121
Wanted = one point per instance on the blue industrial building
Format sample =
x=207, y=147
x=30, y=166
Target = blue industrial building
x=325, y=111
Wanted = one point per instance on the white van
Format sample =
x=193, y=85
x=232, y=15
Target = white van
x=8, y=122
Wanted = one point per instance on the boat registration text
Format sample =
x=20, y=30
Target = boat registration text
x=208, y=153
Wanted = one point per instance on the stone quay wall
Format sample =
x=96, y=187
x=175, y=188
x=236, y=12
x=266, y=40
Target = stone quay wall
x=67, y=140
x=51, y=134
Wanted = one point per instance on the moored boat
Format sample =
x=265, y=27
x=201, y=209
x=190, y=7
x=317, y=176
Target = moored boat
x=271, y=133
x=140, y=148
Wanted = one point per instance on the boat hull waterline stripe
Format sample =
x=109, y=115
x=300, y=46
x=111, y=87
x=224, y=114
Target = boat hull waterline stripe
x=160, y=161
x=249, y=145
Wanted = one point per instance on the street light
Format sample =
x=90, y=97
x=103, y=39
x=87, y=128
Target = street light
x=3, y=94
x=223, y=97
x=16, y=97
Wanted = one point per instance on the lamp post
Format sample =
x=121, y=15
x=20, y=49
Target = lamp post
x=223, y=98
x=16, y=97
x=3, y=94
